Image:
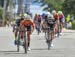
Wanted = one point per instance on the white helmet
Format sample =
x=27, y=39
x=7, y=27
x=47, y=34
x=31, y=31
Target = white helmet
x=28, y=17
x=53, y=12
x=48, y=13
x=60, y=12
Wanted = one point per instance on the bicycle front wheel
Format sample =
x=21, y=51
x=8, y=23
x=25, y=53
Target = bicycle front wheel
x=25, y=43
x=49, y=40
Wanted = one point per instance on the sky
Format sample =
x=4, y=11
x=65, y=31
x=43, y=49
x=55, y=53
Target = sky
x=35, y=8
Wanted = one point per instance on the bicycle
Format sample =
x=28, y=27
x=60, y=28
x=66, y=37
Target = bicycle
x=25, y=43
x=48, y=37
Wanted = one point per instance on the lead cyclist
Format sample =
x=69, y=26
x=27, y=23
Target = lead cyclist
x=49, y=22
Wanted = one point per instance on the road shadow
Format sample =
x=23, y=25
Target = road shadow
x=11, y=52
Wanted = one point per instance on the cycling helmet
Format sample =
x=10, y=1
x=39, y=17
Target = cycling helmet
x=60, y=12
x=28, y=17
x=43, y=14
x=48, y=13
x=23, y=15
x=53, y=12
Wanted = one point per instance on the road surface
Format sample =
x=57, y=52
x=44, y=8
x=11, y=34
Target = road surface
x=63, y=46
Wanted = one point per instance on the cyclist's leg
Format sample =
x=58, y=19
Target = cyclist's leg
x=16, y=31
x=39, y=25
x=22, y=35
x=52, y=32
x=13, y=28
x=55, y=29
x=28, y=35
x=61, y=26
x=22, y=31
x=16, y=34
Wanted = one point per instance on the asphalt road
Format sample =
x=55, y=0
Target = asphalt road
x=64, y=46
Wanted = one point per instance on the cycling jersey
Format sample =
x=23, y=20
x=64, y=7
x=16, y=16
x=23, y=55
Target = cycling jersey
x=18, y=22
x=50, y=23
x=39, y=19
x=56, y=17
x=28, y=24
x=61, y=18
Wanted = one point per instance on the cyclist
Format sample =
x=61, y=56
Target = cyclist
x=49, y=22
x=56, y=17
x=38, y=20
x=29, y=25
x=61, y=20
x=17, y=25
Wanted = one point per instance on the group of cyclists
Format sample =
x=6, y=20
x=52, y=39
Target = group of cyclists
x=52, y=20
x=57, y=18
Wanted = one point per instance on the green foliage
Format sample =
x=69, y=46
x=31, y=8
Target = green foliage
x=69, y=7
x=52, y=4
x=1, y=3
x=1, y=13
x=73, y=25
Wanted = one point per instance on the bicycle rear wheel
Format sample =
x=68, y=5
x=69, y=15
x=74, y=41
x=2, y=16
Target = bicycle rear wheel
x=25, y=43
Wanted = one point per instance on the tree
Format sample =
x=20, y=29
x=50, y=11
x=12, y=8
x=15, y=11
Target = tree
x=1, y=3
x=69, y=7
x=52, y=4
x=27, y=6
x=1, y=12
x=20, y=6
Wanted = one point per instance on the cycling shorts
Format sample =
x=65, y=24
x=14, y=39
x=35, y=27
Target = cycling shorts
x=51, y=26
x=28, y=28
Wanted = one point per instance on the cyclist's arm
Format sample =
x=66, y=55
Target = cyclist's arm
x=22, y=23
x=32, y=23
